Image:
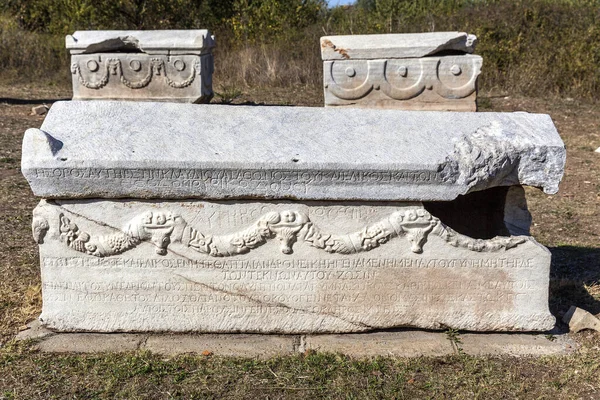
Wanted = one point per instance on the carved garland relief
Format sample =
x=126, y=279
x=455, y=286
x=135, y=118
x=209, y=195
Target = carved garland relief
x=384, y=75
x=288, y=227
x=113, y=66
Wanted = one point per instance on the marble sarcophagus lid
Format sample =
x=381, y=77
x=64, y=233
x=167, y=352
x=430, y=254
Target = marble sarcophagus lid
x=415, y=71
x=161, y=65
x=175, y=217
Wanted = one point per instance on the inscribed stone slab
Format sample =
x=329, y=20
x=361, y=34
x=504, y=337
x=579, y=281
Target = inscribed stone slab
x=166, y=42
x=280, y=267
x=162, y=150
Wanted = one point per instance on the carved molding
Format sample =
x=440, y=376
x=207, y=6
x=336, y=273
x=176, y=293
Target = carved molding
x=288, y=227
x=113, y=66
x=378, y=73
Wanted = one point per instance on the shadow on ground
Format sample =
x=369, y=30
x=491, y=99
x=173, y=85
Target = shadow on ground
x=574, y=279
x=13, y=101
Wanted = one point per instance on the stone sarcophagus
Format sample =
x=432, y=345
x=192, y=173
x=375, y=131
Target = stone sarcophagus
x=289, y=219
x=423, y=71
x=170, y=65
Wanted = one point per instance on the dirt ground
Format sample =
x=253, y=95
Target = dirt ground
x=568, y=223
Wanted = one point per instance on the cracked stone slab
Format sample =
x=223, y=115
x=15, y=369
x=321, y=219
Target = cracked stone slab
x=492, y=344
x=227, y=345
x=398, y=344
x=403, y=45
x=194, y=41
x=280, y=267
x=108, y=149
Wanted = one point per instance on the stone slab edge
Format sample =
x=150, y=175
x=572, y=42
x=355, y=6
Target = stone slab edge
x=193, y=41
x=102, y=149
x=404, y=45
x=408, y=343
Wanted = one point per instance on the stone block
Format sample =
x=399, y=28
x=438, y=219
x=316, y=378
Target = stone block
x=492, y=344
x=280, y=267
x=397, y=344
x=90, y=343
x=427, y=71
x=236, y=345
x=193, y=218
x=160, y=150
x=172, y=66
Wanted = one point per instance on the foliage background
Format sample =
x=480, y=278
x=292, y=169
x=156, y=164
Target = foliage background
x=530, y=47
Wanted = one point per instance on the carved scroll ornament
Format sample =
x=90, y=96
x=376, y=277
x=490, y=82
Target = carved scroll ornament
x=378, y=73
x=288, y=227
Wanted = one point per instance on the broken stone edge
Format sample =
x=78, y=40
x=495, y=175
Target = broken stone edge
x=198, y=41
x=491, y=149
x=390, y=46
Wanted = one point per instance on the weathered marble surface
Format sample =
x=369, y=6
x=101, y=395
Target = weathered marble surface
x=424, y=71
x=285, y=267
x=446, y=83
x=162, y=150
x=174, y=66
x=399, y=45
x=165, y=42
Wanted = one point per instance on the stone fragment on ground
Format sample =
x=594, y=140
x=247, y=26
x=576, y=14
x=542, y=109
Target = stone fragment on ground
x=39, y=110
x=196, y=218
x=102, y=150
x=579, y=320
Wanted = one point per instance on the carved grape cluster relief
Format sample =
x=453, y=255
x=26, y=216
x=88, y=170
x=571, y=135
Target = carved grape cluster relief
x=287, y=227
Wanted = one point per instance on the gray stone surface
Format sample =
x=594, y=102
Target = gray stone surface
x=364, y=345
x=230, y=345
x=162, y=150
x=492, y=344
x=163, y=42
x=403, y=45
x=90, y=343
x=34, y=330
x=398, y=344
x=447, y=83
x=280, y=267
x=579, y=320
x=172, y=66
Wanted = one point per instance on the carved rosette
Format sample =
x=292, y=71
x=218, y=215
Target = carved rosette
x=438, y=79
x=287, y=227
